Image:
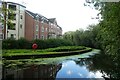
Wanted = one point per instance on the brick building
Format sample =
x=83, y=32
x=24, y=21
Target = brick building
x=55, y=31
x=40, y=27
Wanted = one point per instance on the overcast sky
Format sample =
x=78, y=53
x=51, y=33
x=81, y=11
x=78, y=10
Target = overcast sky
x=70, y=14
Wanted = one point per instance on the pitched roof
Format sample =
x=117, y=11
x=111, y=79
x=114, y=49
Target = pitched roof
x=39, y=15
x=52, y=20
x=31, y=13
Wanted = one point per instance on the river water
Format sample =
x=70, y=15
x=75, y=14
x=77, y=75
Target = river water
x=91, y=65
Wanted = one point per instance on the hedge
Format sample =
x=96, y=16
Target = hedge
x=42, y=44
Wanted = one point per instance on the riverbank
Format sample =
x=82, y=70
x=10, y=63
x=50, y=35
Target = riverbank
x=45, y=53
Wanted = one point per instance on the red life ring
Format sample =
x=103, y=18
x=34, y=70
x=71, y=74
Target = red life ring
x=34, y=46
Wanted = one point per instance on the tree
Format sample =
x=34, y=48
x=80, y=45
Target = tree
x=110, y=28
x=84, y=38
x=4, y=13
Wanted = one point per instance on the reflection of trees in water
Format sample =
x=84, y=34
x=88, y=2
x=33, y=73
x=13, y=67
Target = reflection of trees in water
x=84, y=62
x=33, y=72
x=105, y=64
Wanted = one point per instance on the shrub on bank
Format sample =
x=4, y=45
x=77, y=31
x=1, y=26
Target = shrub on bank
x=23, y=44
x=42, y=44
x=9, y=44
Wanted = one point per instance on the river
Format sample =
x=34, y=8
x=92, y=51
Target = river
x=90, y=65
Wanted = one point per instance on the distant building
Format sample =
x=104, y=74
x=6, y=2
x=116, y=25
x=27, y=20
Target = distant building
x=54, y=30
x=28, y=25
x=40, y=27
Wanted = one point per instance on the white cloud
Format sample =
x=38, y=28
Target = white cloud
x=69, y=72
x=95, y=75
x=98, y=74
x=64, y=65
x=81, y=75
x=91, y=75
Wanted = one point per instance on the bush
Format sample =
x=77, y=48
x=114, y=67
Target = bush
x=42, y=44
x=9, y=44
x=23, y=44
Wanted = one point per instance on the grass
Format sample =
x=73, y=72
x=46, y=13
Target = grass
x=57, y=50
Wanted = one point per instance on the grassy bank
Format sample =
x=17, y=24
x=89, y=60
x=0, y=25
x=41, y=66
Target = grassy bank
x=50, y=52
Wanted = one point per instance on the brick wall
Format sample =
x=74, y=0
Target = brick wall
x=29, y=27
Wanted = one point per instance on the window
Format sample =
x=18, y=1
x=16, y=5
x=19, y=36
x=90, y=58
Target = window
x=20, y=25
x=36, y=36
x=42, y=37
x=12, y=35
x=37, y=27
x=42, y=21
x=21, y=16
x=1, y=36
x=11, y=26
x=12, y=7
x=46, y=29
x=42, y=29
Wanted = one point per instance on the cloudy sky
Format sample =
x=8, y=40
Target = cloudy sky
x=70, y=14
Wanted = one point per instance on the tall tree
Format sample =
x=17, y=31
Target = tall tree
x=4, y=13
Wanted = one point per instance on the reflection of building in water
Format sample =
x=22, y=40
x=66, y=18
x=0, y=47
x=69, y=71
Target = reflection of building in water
x=32, y=72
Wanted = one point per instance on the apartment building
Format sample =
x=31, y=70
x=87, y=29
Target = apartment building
x=55, y=31
x=40, y=27
x=16, y=15
x=36, y=26
x=28, y=25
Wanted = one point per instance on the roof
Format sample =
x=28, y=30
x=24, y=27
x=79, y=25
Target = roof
x=39, y=15
x=16, y=4
x=52, y=20
x=31, y=13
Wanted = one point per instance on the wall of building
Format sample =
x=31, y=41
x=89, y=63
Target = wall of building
x=46, y=27
x=29, y=27
x=19, y=22
x=21, y=27
x=39, y=33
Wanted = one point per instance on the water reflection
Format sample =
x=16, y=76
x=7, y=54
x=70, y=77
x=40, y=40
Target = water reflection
x=72, y=70
x=107, y=65
x=32, y=72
